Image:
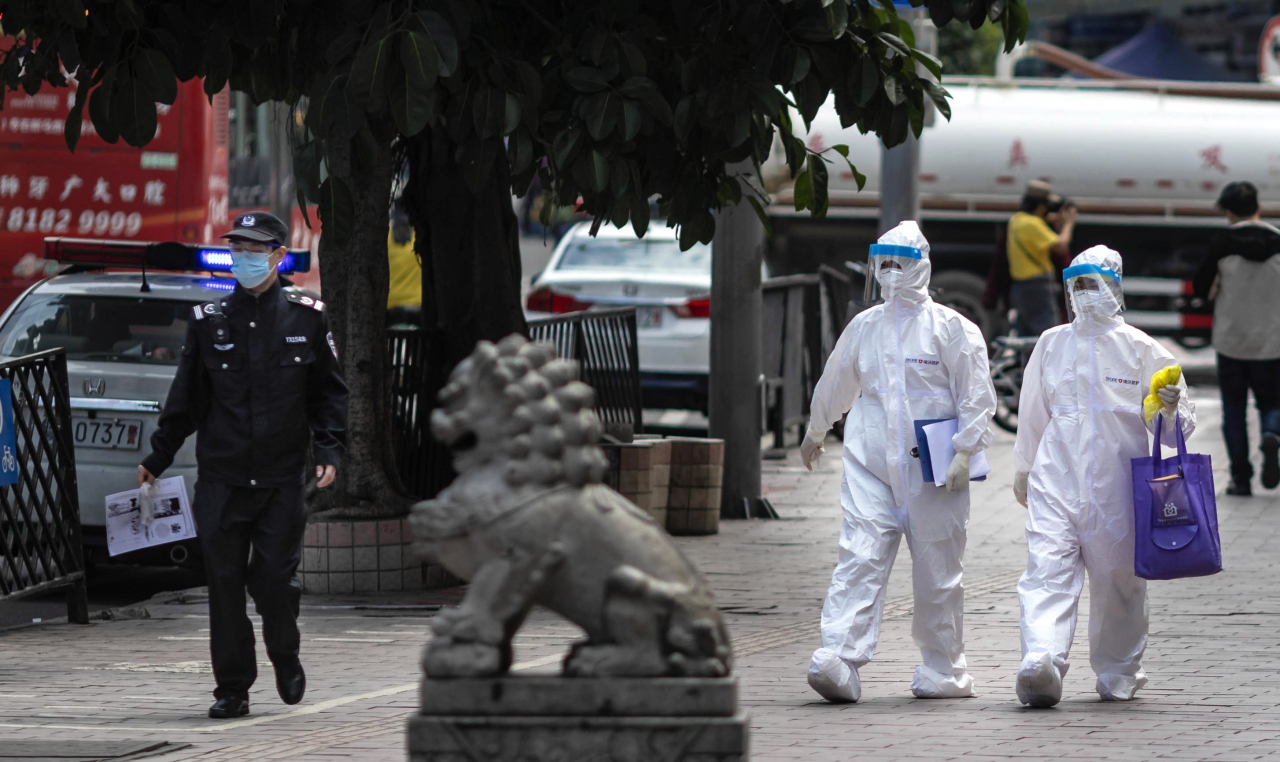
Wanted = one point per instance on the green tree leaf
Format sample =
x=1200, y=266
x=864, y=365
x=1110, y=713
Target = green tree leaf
x=154, y=71
x=586, y=79
x=566, y=143
x=639, y=215
x=895, y=43
x=337, y=211
x=487, y=111
x=133, y=110
x=869, y=82
x=759, y=210
x=599, y=171
x=411, y=106
x=633, y=120
x=368, y=80
x=938, y=94
x=420, y=59
x=71, y=128
x=818, y=181
x=802, y=192
x=100, y=110
x=441, y=33
x=511, y=114
x=602, y=114
x=929, y=62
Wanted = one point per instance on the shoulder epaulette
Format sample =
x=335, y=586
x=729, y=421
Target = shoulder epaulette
x=206, y=309
x=304, y=300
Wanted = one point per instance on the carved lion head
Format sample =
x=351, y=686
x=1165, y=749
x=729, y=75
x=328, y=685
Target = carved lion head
x=515, y=401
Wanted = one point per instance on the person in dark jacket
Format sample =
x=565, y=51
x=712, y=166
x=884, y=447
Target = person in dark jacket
x=1241, y=276
x=258, y=379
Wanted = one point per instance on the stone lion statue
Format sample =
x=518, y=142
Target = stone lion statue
x=528, y=521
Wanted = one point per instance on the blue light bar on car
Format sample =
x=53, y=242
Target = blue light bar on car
x=218, y=259
x=96, y=253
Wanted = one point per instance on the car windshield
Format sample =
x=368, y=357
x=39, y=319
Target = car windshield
x=638, y=254
x=110, y=329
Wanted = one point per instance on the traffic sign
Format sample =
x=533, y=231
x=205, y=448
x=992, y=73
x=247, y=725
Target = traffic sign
x=8, y=448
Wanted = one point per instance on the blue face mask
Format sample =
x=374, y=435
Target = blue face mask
x=251, y=270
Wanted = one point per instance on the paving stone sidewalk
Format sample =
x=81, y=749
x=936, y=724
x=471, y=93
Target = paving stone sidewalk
x=1214, y=692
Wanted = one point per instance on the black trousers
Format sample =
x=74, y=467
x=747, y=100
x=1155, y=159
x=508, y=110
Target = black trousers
x=251, y=538
x=1235, y=379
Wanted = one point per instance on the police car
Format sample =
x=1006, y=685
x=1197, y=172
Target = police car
x=119, y=309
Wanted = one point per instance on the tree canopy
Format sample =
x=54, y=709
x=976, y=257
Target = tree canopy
x=610, y=103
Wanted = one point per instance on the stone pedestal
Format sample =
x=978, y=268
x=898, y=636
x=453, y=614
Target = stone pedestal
x=365, y=557
x=546, y=719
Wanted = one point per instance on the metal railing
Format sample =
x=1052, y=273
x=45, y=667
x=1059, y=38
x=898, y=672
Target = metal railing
x=602, y=341
x=410, y=410
x=40, y=545
x=604, y=344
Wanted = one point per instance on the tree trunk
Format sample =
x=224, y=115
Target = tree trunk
x=469, y=244
x=355, y=280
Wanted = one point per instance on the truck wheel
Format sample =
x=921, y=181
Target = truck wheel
x=962, y=292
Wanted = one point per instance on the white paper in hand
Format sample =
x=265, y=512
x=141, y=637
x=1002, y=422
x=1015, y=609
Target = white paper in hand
x=941, y=452
x=171, y=520
x=146, y=503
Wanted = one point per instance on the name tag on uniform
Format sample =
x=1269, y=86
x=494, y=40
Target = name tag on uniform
x=296, y=339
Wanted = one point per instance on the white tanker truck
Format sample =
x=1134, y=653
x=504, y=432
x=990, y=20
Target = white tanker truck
x=1144, y=167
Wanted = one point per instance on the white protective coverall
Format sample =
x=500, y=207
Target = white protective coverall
x=908, y=359
x=1080, y=422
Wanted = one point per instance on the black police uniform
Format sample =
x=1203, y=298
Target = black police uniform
x=258, y=377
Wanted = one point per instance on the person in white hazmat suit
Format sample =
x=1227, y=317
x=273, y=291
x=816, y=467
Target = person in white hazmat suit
x=1080, y=421
x=906, y=360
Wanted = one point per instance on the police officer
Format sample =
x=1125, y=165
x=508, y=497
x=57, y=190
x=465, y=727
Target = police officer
x=258, y=378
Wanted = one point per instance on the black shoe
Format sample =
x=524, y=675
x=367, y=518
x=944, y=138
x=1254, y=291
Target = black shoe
x=229, y=707
x=1270, y=461
x=291, y=683
x=1241, y=489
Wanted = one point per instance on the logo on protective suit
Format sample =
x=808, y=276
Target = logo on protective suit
x=248, y=221
x=922, y=361
x=1124, y=381
x=1170, y=510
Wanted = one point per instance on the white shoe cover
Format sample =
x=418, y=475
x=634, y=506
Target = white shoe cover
x=1120, y=687
x=1039, y=684
x=928, y=684
x=833, y=678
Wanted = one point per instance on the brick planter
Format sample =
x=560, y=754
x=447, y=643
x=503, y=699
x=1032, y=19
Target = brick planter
x=365, y=557
x=697, y=470
x=639, y=471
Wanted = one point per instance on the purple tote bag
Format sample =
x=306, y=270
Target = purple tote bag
x=1175, y=514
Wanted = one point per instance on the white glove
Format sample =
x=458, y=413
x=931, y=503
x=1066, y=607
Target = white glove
x=1020, y=488
x=146, y=503
x=811, y=448
x=1169, y=396
x=958, y=471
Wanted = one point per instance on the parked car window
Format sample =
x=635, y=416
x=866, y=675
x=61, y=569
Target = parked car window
x=641, y=254
x=112, y=329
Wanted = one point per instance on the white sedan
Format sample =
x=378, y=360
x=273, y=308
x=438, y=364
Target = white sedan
x=670, y=288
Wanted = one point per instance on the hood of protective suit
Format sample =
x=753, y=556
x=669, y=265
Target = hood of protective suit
x=1103, y=304
x=911, y=283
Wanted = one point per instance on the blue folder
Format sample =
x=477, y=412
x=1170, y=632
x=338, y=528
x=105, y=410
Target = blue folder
x=922, y=447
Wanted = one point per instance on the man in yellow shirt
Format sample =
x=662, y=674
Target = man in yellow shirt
x=404, y=297
x=1032, y=246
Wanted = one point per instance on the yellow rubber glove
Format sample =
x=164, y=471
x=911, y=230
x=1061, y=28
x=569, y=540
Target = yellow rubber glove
x=1169, y=376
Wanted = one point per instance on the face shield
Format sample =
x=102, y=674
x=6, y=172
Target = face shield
x=1092, y=290
x=887, y=268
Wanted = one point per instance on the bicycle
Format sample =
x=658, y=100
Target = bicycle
x=1008, y=358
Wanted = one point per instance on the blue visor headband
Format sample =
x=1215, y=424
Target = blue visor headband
x=1078, y=270
x=893, y=250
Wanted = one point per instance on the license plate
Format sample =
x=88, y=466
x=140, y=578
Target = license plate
x=107, y=433
x=649, y=317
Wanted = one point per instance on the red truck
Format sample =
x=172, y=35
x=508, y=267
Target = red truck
x=180, y=187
